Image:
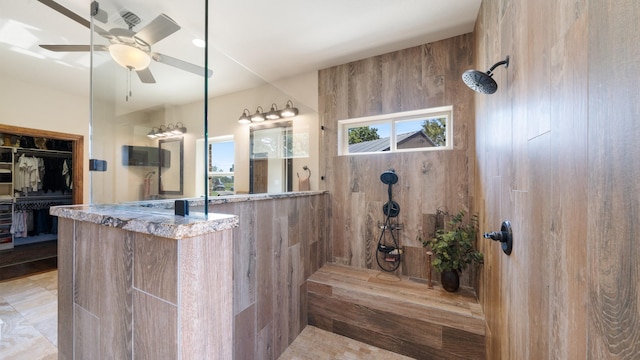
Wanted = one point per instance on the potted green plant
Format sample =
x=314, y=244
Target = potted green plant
x=453, y=249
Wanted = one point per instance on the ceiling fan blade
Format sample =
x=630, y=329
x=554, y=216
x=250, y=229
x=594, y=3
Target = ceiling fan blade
x=74, y=47
x=73, y=16
x=180, y=64
x=146, y=76
x=158, y=29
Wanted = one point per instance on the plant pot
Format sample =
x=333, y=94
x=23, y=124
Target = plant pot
x=450, y=280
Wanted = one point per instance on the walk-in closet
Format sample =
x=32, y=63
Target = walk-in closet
x=36, y=172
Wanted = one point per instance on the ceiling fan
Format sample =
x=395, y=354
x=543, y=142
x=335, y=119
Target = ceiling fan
x=130, y=49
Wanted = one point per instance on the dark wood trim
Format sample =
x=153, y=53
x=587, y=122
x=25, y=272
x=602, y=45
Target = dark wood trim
x=77, y=153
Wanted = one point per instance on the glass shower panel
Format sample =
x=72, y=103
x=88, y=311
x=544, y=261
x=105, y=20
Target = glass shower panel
x=147, y=111
x=129, y=111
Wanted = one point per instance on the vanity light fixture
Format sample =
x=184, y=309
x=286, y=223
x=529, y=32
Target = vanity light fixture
x=167, y=131
x=273, y=114
x=179, y=129
x=162, y=131
x=289, y=110
x=245, y=118
x=153, y=133
x=258, y=116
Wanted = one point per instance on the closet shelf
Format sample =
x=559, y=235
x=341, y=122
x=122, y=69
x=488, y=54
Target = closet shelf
x=42, y=198
x=41, y=152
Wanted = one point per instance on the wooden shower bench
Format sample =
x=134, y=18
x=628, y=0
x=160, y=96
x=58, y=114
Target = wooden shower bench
x=396, y=313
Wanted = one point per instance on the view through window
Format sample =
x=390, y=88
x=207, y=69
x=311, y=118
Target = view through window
x=427, y=129
x=221, y=167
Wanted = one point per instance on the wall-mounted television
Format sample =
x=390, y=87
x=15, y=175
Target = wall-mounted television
x=145, y=156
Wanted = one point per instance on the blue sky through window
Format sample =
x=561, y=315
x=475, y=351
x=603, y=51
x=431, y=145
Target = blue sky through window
x=401, y=127
x=223, y=155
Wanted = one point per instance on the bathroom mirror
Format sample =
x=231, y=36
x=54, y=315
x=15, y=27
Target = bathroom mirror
x=171, y=170
x=270, y=162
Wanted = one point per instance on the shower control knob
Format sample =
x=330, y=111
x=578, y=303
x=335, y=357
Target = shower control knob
x=504, y=236
x=497, y=236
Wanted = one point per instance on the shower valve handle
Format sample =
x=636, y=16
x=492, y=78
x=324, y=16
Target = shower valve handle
x=497, y=236
x=504, y=236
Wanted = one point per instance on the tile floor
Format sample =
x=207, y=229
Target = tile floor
x=29, y=317
x=29, y=327
x=317, y=344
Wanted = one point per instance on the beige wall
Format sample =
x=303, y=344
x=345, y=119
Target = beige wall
x=558, y=155
x=33, y=106
x=224, y=112
x=112, y=131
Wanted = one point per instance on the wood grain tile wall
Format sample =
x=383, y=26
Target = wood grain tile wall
x=278, y=245
x=178, y=304
x=416, y=78
x=557, y=154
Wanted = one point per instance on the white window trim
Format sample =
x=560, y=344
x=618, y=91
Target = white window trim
x=392, y=118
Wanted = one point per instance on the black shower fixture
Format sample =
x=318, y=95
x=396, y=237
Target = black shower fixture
x=504, y=236
x=389, y=177
x=483, y=82
x=389, y=253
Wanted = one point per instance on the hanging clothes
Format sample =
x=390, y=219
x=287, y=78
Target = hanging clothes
x=67, y=173
x=28, y=173
x=55, y=179
x=45, y=174
x=19, y=224
x=41, y=172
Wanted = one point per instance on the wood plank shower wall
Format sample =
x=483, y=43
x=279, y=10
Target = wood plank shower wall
x=416, y=78
x=558, y=155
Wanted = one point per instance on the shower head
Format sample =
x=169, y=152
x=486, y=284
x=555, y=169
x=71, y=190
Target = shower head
x=389, y=177
x=483, y=82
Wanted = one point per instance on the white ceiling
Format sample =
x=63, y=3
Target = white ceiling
x=250, y=41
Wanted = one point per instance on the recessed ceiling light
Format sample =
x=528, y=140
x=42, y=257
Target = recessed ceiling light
x=198, y=42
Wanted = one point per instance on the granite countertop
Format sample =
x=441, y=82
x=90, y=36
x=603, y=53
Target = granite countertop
x=214, y=200
x=157, y=221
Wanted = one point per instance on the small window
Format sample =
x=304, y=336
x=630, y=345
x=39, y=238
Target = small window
x=428, y=129
x=221, y=166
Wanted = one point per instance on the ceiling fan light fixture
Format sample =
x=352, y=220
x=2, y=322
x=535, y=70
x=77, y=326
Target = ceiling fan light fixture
x=289, y=110
x=129, y=57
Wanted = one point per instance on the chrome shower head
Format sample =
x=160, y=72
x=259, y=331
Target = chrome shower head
x=483, y=82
